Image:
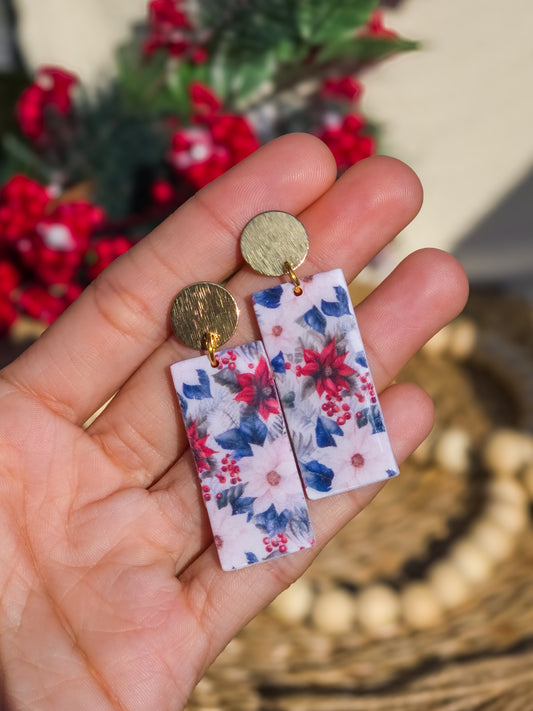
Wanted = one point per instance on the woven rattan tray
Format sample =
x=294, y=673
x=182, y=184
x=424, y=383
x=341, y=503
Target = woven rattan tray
x=478, y=654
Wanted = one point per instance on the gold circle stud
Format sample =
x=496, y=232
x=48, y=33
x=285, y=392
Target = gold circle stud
x=204, y=316
x=272, y=239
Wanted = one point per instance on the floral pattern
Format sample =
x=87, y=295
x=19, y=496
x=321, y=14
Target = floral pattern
x=248, y=476
x=326, y=389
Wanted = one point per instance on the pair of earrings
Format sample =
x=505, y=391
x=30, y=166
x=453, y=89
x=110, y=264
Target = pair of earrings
x=309, y=371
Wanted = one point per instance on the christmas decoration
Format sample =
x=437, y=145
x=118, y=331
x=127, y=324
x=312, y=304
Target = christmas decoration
x=196, y=90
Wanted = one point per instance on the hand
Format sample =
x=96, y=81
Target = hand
x=112, y=595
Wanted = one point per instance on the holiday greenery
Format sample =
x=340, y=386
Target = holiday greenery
x=196, y=91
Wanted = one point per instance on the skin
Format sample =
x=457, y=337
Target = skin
x=111, y=593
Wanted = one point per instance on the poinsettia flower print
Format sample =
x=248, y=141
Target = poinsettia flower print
x=200, y=450
x=360, y=456
x=328, y=369
x=258, y=390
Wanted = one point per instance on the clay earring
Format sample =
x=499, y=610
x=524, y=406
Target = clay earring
x=317, y=355
x=248, y=476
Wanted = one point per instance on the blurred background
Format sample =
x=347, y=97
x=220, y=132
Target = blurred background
x=113, y=112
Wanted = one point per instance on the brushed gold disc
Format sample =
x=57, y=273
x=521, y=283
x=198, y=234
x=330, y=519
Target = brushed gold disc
x=271, y=239
x=204, y=312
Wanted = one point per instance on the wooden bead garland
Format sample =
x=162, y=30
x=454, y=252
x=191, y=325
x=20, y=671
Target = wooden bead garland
x=381, y=609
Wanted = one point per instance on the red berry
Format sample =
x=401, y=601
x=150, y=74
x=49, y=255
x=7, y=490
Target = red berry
x=287, y=366
x=283, y=549
x=347, y=416
x=231, y=366
x=341, y=420
x=345, y=406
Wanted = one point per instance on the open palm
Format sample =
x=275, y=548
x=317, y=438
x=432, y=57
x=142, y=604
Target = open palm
x=111, y=592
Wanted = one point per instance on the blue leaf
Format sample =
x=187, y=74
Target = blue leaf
x=324, y=430
x=376, y=419
x=278, y=363
x=317, y=476
x=299, y=523
x=373, y=416
x=272, y=522
x=360, y=359
x=234, y=440
x=315, y=320
x=183, y=405
x=269, y=298
x=251, y=558
x=254, y=429
x=198, y=392
x=391, y=472
x=244, y=505
x=229, y=495
x=339, y=307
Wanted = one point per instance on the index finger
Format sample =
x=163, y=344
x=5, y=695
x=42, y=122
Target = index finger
x=85, y=356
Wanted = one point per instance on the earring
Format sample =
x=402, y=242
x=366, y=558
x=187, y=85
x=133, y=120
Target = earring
x=315, y=349
x=248, y=476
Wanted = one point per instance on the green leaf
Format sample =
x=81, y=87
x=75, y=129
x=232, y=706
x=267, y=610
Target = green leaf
x=364, y=49
x=19, y=157
x=321, y=22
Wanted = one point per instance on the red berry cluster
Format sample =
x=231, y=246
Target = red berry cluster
x=44, y=247
x=347, y=140
x=170, y=29
x=335, y=407
x=375, y=27
x=229, y=470
x=345, y=88
x=228, y=361
x=278, y=542
x=367, y=386
x=49, y=93
x=216, y=142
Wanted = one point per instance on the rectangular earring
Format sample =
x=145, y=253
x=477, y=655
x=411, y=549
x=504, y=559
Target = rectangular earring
x=248, y=476
x=321, y=370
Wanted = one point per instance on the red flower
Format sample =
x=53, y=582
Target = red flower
x=162, y=192
x=22, y=204
x=200, y=450
x=204, y=101
x=9, y=277
x=343, y=88
x=170, y=29
x=258, y=390
x=50, y=91
x=40, y=303
x=328, y=369
x=376, y=28
x=347, y=142
x=219, y=141
x=106, y=250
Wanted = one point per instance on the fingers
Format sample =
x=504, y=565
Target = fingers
x=348, y=225
x=123, y=316
x=409, y=416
